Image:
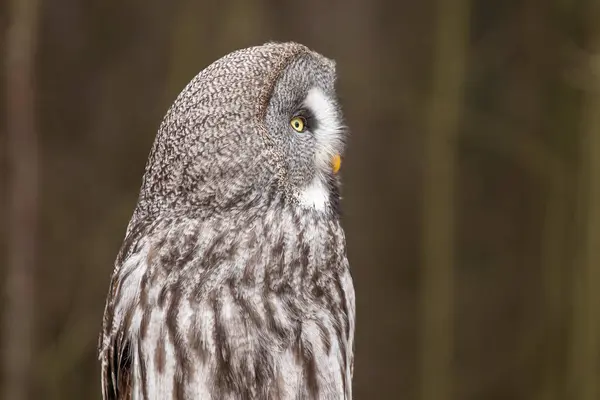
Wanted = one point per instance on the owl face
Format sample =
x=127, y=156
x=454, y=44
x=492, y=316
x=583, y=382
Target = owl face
x=259, y=124
x=304, y=119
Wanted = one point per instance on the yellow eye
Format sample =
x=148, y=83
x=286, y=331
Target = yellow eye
x=298, y=123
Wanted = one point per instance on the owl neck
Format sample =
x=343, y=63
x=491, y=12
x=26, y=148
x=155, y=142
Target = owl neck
x=317, y=201
x=277, y=221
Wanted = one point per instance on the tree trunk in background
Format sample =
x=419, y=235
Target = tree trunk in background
x=553, y=249
x=551, y=171
x=585, y=335
x=443, y=121
x=23, y=192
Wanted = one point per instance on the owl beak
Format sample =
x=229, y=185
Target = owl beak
x=336, y=163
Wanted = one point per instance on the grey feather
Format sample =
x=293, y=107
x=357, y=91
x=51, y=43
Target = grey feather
x=233, y=281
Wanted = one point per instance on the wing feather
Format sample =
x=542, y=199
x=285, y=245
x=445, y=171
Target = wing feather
x=114, y=345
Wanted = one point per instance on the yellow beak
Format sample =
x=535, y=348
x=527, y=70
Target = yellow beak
x=336, y=163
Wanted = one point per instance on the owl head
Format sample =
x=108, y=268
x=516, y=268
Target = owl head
x=258, y=126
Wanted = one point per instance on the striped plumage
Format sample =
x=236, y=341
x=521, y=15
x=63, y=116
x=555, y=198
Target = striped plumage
x=233, y=281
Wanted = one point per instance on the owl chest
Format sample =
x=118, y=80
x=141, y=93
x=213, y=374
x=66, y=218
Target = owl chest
x=241, y=315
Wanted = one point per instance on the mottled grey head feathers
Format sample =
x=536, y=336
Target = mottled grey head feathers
x=227, y=142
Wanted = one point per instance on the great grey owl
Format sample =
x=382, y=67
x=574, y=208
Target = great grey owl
x=232, y=281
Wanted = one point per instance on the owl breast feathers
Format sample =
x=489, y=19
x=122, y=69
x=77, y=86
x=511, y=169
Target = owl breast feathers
x=232, y=281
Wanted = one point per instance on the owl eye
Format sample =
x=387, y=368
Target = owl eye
x=298, y=124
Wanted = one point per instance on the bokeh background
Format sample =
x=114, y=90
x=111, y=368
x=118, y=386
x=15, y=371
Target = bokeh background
x=471, y=197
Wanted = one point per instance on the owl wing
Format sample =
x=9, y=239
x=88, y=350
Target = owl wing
x=116, y=369
x=114, y=344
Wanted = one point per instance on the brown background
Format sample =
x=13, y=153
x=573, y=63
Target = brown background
x=472, y=180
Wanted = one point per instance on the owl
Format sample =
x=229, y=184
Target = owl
x=232, y=281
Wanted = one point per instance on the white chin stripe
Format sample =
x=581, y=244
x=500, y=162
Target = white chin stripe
x=315, y=195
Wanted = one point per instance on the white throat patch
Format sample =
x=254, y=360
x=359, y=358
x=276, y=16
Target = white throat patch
x=315, y=195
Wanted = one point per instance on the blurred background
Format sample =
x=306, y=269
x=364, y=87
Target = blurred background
x=471, y=197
